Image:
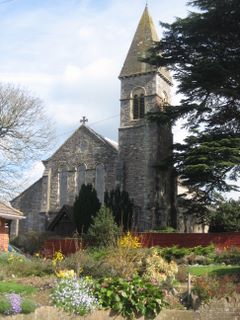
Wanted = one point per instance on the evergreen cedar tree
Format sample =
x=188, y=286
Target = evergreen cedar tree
x=226, y=217
x=85, y=207
x=203, y=51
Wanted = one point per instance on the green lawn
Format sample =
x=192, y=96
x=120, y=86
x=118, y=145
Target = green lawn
x=11, y=286
x=218, y=270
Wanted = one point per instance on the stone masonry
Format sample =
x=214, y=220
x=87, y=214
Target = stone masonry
x=41, y=201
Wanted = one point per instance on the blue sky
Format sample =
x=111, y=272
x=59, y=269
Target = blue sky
x=69, y=53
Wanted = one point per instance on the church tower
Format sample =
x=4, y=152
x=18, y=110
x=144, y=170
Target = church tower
x=144, y=143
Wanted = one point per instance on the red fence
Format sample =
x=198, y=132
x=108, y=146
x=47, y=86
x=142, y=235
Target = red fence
x=65, y=245
x=188, y=240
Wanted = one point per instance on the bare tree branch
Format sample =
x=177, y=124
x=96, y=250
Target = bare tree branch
x=26, y=133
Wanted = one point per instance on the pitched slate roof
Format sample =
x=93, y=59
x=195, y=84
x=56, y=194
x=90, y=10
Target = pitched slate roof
x=143, y=40
x=10, y=213
x=66, y=210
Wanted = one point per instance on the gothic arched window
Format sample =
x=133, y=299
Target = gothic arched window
x=100, y=182
x=81, y=176
x=63, y=183
x=138, y=109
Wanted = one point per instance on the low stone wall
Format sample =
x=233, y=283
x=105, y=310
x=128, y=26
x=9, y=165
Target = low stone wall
x=51, y=313
x=224, y=309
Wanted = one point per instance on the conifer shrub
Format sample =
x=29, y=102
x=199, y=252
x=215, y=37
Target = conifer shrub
x=85, y=207
x=103, y=231
x=122, y=207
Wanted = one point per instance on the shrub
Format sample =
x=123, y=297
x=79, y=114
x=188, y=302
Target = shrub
x=19, y=265
x=30, y=242
x=10, y=287
x=107, y=262
x=74, y=295
x=122, y=207
x=208, y=287
x=85, y=207
x=13, y=303
x=202, y=251
x=130, y=297
x=5, y=305
x=129, y=241
x=103, y=231
x=173, y=253
x=82, y=262
x=199, y=254
x=159, y=270
x=125, y=262
x=28, y=306
x=230, y=256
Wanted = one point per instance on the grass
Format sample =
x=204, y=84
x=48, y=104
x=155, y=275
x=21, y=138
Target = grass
x=218, y=270
x=11, y=286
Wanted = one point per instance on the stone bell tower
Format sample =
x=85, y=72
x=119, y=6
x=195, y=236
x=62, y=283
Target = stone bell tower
x=143, y=144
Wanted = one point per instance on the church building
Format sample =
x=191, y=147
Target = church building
x=132, y=164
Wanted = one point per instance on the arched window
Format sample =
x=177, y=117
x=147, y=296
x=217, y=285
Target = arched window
x=138, y=109
x=135, y=107
x=81, y=177
x=63, y=183
x=141, y=106
x=165, y=97
x=100, y=182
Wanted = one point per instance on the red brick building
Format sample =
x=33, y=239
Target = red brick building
x=7, y=215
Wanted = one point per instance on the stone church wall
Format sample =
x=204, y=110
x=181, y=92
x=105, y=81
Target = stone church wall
x=83, y=148
x=30, y=202
x=142, y=145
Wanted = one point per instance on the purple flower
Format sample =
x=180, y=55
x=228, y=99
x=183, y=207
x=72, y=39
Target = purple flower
x=15, y=301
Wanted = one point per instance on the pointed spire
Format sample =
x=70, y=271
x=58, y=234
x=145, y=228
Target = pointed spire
x=143, y=39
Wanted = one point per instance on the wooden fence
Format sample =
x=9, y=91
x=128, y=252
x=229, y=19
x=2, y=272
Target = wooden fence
x=188, y=240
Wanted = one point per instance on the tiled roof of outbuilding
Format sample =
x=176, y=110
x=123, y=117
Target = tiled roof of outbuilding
x=10, y=213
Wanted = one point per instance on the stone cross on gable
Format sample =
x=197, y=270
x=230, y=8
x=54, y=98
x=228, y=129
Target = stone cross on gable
x=83, y=120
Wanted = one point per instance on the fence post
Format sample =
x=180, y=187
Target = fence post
x=189, y=288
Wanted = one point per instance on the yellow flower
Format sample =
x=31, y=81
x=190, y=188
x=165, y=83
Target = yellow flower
x=129, y=241
x=57, y=257
x=65, y=274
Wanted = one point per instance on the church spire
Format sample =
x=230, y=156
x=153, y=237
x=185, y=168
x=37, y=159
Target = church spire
x=143, y=39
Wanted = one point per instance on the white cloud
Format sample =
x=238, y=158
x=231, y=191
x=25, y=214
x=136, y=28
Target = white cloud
x=39, y=79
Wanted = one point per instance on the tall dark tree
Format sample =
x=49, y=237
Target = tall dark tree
x=85, y=207
x=121, y=206
x=226, y=216
x=203, y=50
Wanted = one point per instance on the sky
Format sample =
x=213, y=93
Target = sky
x=70, y=53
